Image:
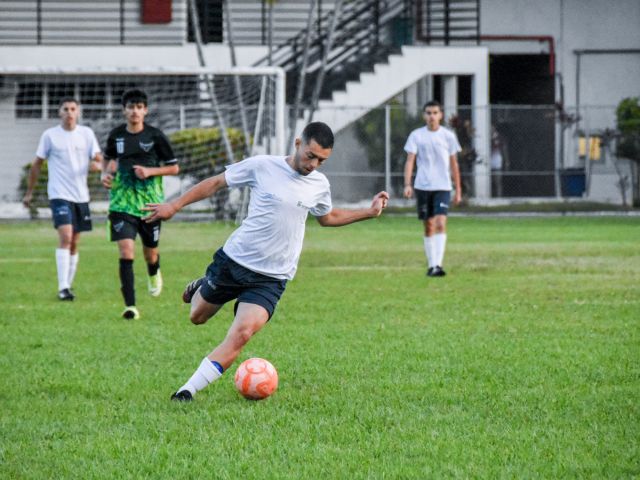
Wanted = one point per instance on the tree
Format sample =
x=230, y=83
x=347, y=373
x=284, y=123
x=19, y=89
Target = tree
x=628, y=145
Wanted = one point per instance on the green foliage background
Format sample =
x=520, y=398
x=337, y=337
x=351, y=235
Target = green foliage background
x=628, y=116
x=201, y=151
x=628, y=145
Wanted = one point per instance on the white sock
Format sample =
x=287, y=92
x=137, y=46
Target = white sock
x=73, y=266
x=428, y=251
x=203, y=376
x=62, y=262
x=440, y=241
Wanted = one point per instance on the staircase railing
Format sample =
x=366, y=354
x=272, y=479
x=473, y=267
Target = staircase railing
x=366, y=33
x=447, y=21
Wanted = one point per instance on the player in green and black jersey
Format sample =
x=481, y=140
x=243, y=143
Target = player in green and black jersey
x=136, y=158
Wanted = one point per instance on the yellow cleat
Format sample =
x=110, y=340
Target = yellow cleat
x=155, y=284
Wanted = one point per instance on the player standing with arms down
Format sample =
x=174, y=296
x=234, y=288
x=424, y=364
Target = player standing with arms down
x=433, y=149
x=258, y=259
x=143, y=155
x=72, y=151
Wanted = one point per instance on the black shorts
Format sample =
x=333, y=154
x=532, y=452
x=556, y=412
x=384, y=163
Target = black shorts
x=64, y=212
x=123, y=225
x=432, y=202
x=225, y=280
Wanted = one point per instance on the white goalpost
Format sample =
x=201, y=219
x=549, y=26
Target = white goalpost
x=246, y=115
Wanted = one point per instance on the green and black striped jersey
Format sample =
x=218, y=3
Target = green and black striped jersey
x=148, y=148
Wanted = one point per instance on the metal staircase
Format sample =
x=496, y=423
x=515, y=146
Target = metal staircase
x=371, y=58
x=366, y=33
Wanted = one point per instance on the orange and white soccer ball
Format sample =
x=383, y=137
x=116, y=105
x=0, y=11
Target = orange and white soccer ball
x=256, y=378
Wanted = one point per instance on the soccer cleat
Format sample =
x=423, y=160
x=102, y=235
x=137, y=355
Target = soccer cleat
x=430, y=271
x=131, y=313
x=66, y=295
x=182, y=396
x=438, y=271
x=191, y=289
x=155, y=284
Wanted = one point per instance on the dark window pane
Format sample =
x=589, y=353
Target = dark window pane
x=29, y=100
x=94, y=98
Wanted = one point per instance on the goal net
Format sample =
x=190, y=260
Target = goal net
x=212, y=118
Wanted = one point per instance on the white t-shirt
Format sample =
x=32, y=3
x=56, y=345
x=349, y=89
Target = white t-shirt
x=68, y=154
x=433, y=150
x=269, y=241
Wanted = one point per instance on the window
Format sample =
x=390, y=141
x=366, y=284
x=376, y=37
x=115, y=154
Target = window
x=29, y=100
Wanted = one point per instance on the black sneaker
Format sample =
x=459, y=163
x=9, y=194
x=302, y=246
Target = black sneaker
x=182, y=396
x=66, y=295
x=438, y=272
x=430, y=272
x=191, y=289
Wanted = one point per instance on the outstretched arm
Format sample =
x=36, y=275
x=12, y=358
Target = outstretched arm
x=340, y=216
x=204, y=189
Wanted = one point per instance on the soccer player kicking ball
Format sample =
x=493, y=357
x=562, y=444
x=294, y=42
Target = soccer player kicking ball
x=435, y=149
x=143, y=155
x=72, y=151
x=258, y=259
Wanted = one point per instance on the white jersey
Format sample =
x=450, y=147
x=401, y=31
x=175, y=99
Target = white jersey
x=269, y=241
x=433, y=150
x=68, y=154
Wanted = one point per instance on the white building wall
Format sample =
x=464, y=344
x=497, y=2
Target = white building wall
x=600, y=82
x=575, y=25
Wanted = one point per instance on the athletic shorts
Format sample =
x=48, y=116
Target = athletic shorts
x=123, y=225
x=226, y=280
x=65, y=212
x=432, y=202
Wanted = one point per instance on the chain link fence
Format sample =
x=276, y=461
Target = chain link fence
x=537, y=152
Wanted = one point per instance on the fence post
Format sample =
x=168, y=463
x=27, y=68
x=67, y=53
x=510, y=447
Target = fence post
x=387, y=148
x=183, y=118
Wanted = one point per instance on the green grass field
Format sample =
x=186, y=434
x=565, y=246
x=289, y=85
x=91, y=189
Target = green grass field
x=524, y=362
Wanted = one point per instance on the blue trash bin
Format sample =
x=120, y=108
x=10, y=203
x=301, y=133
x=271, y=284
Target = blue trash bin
x=572, y=182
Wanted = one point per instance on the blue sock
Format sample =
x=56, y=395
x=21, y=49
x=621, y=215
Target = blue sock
x=218, y=366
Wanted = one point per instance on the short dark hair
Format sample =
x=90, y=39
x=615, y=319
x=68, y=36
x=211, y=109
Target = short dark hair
x=134, y=95
x=432, y=103
x=320, y=132
x=64, y=100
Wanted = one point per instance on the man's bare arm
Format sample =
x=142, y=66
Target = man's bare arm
x=338, y=217
x=204, y=189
